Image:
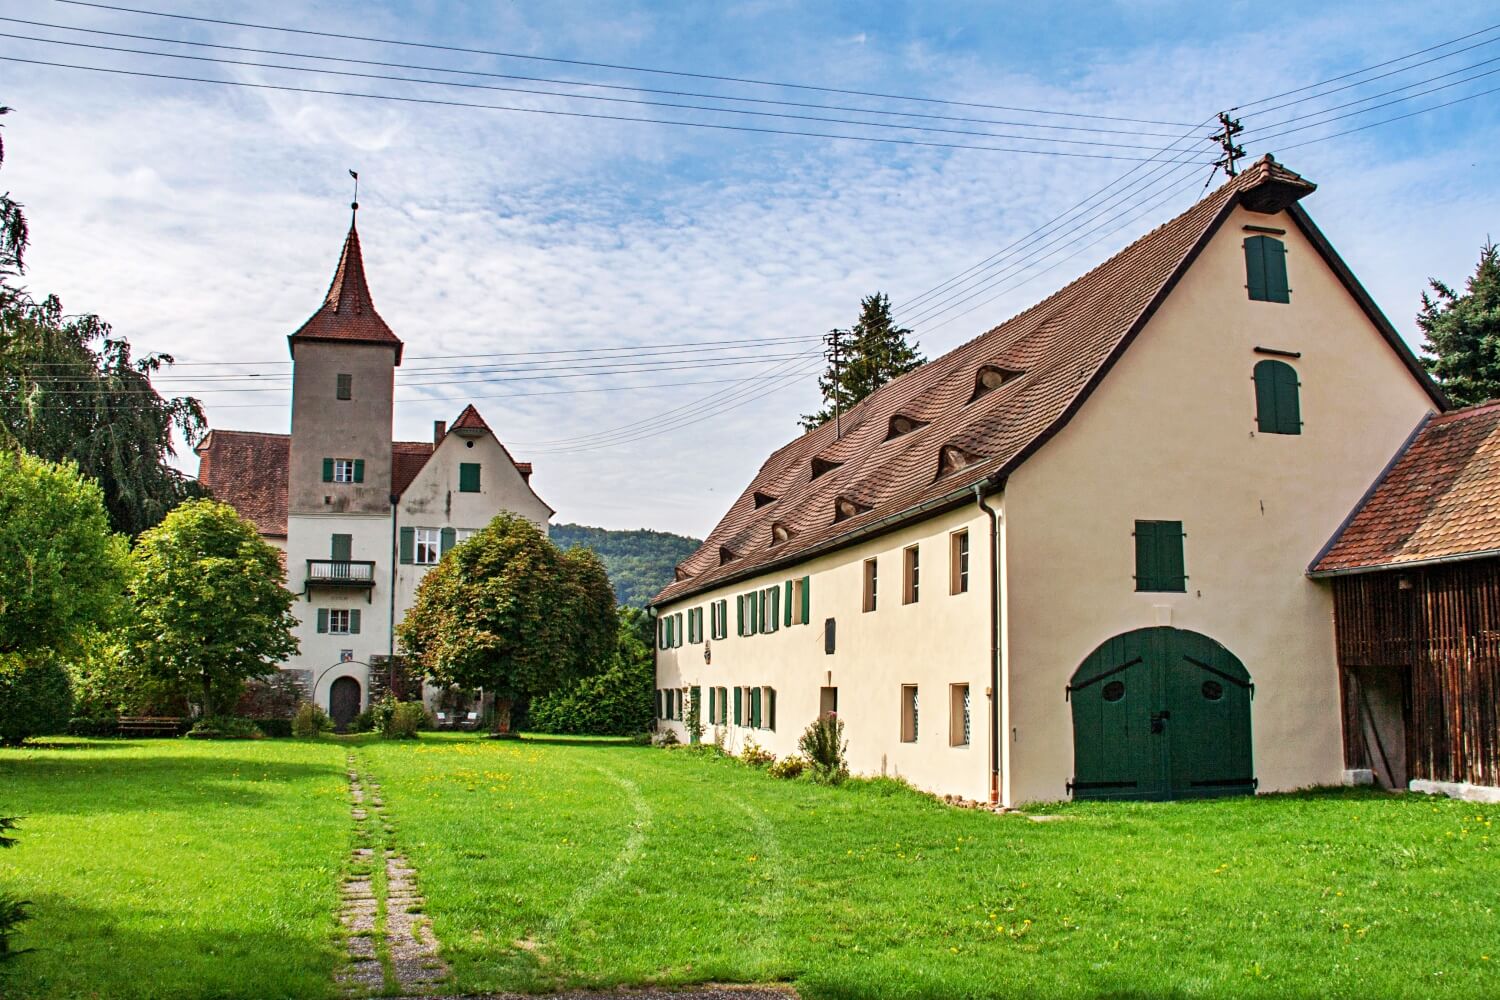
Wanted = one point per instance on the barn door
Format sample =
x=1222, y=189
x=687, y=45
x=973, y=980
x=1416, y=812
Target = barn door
x=1161, y=713
x=343, y=702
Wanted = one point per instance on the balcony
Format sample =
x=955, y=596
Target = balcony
x=356, y=573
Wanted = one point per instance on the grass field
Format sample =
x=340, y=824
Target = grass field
x=553, y=862
x=175, y=868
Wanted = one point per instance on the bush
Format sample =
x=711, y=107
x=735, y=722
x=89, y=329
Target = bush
x=614, y=702
x=310, y=721
x=824, y=746
x=788, y=767
x=84, y=725
x=403, y=719
x=36, y=698
x=225, y=727
x=279, y=728
x=364, y=722
x=752, y=754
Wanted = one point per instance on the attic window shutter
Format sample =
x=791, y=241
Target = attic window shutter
x=1278, y=409
x=1159, y=564
x=359, y=470
x=408, y=545
x=446, y=538
x=1265, y=269
x=327, y=470
x=468, y=477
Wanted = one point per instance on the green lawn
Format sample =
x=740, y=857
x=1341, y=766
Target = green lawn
x=178, y=869
x=175, y=868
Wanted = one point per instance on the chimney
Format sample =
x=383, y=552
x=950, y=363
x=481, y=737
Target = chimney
x=439, y=428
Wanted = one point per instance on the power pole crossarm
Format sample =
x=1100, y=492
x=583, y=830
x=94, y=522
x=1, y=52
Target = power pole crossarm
x=1233, y=152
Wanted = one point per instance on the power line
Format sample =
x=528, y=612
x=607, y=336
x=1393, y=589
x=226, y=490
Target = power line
x=386, y=78
x=287, y=88
x=1387, y=121
x=613, y=66
x=631, y=88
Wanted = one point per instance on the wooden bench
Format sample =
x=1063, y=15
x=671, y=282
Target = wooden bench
x=149, y=725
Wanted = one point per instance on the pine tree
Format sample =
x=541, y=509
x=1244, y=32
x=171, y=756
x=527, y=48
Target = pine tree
x=876, y=351
x=1462, y=348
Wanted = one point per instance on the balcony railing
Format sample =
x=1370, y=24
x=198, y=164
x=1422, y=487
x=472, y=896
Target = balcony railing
x=340, y=573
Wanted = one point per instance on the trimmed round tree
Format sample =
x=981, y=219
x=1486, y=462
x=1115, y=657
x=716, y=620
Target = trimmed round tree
x=508, y=612
x=210, y=608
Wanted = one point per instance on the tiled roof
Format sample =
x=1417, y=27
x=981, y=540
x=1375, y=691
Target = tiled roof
x=1440, y=499
x=469, y=420
x=348, y=313
x=407, y=459
x=247, y=470
x=1046, y=360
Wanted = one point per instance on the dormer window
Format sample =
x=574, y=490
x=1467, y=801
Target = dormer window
x=845, y=508
x=763, y=499
x=952, y=458
x=989, y=378
x=727, y=555
x=902, y=424
x=679, y=574
x=822, y=465
x=780, y=533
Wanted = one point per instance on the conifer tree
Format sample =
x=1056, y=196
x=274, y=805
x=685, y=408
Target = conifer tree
x=1462, y=347
x=876, y=351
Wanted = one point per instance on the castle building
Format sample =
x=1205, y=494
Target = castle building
x=359, y=517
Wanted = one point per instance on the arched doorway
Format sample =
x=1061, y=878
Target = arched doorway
x=343, y=702
x=1161, y=713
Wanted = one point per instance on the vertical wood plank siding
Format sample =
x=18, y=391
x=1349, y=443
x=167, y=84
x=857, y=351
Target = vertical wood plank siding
x=1444, y=633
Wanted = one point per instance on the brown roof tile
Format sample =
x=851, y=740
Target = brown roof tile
x=1057, y=350
x=407, y=459
x=247, y=470
x=1440, y=499
x=348, y=313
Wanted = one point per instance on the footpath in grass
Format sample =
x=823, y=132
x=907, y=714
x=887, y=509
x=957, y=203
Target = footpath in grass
x=551, y=862
x=174, y=868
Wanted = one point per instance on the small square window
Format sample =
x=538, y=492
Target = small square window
x=429, y=546
x=908, y=713
x=343, y=470
x=338, y=621
x=345, y=387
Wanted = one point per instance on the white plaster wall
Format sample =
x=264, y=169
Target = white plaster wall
x=1170, y=434
x=938, y=641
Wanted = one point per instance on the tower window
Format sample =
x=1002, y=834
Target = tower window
x=345, y=386
x=343, y=470
x=429, y=546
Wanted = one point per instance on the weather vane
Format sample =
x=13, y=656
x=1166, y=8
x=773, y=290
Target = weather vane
x=354, y=205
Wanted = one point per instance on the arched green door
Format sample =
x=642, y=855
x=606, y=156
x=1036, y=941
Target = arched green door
x=1161, y=713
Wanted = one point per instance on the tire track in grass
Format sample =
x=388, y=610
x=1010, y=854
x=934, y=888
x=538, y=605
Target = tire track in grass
x=768, y=941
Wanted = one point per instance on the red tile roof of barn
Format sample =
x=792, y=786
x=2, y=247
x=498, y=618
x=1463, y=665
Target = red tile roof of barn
x=1054, y=354
x=348, y=313
x=1439, y=500
x=247, y=470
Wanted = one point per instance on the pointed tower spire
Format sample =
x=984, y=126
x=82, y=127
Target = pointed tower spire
x=348, y=313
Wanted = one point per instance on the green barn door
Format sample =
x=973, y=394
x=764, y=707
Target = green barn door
x=1161, y=713
x=1113, y=692
x=1208, y=694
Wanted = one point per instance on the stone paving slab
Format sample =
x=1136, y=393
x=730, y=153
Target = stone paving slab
x=709, y=992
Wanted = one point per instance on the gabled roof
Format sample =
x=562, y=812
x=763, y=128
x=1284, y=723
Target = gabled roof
x=1050, y=358
x=1438, y=501
x=469, y=420
x=247, y=470
x=347, y=314
x=407, y=459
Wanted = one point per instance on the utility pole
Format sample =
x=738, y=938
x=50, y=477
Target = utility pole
x=1232, y=150
x=835, y=355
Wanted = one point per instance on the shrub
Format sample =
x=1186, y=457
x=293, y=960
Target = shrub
x=364, y=722
x=225, y=727
x=614, y=702
x=280, y=728
x=404, y=720
x=788, y=767
x=665, y=738
x=824, y=746
x=36, y=698
x=85, y=725
x=310, y=721
x=752, y=754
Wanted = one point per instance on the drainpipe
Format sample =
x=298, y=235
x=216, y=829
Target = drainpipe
x=994, y=640
x=395, y=564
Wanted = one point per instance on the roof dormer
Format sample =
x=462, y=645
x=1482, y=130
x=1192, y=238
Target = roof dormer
x=727, y=555
x=989, y=378
x=845, y=508
x=780, y=532
x=763, y=499
x=951, y=458
x=821, y=465
x=902, y=424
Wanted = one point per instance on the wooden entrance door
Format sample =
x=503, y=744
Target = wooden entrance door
x=1161, y=713
x=343, y=702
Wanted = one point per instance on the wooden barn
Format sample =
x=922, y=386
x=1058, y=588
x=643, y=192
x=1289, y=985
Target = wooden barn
x=1415, y=573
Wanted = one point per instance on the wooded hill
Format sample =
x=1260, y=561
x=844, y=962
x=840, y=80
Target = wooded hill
x=639, y=562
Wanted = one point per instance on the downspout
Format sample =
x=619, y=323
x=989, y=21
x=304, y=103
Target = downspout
x=995, y=654
x=395, y=562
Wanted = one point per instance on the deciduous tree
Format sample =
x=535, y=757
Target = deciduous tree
x=1462, y=348
x=209, y=608
x=508, y=612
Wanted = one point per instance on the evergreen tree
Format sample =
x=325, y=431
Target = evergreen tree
x=1462, y=347
x=876, y=351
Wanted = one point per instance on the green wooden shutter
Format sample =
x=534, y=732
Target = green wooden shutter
x=1255, y=268
x=1159, y=564
x=354, y=621
x=771, y=708
x=468, y=477
x=327, y=470
x=359, y=470
x=739, y=614
x=322, y=619
x=1277, y=289
x=446, y=539
x=806, y=599
x=1278, y=409
x=342, y=548
x=408, y=545
x=754, y=613
x=1145, y=556
x=713, y=697
x=755, y=708
x=786, y=612
x=738, y=708
x=344, y=386
x=1288, y=403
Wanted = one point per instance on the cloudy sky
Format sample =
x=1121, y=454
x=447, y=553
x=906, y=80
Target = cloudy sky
x=562, y=257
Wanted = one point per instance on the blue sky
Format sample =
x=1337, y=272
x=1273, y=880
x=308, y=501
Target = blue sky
x=206, y=220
